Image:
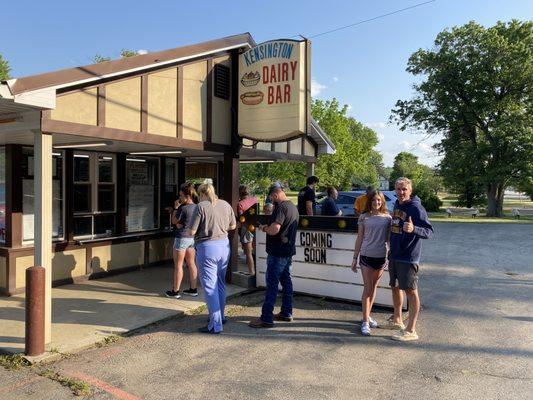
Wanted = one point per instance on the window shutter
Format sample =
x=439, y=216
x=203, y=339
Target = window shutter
x=222, y=81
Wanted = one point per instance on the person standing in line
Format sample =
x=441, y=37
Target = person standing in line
x=213, y=219
x=183, y=249
x=410, y=224
x=246, y=237
x=306, y=197
x=280, y=247
x=329, y=207
x=360, y=202
x=371, y=248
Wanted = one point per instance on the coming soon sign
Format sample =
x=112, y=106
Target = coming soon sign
x=275, y=90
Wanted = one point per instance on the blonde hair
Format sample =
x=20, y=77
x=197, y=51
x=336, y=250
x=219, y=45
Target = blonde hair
x=368, y=205
x=403, y=179
x=208, y=191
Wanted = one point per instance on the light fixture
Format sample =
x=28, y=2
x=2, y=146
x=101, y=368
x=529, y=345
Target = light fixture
x=82, y=144
x=149, y=153
x=135, y=160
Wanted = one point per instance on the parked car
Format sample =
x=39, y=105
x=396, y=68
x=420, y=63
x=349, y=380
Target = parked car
x=346, y=200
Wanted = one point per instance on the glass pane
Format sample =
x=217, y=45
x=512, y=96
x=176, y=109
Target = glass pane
x=82, y=198
x=104, y=224
x=83, y=226
x=28, y=207
x=81, y=168
x=106, y=197
x=170, y=172
x=105, y=169
x=142, y=194
x=2, y=194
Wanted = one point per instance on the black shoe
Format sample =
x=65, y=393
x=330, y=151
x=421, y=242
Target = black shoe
x=223, y=321
x=191, y=292
x=171, y=293
x=205, y=329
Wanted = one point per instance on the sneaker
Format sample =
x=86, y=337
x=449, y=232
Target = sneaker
x=205, y=329
x=191, y=292
x=372, y=322
x=405, y=336
x=395, y=326
x=365, y=329
x=259, y=323
x=171, y=293
x=279, y=317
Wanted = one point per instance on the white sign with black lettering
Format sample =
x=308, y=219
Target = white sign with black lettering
x=322, y=266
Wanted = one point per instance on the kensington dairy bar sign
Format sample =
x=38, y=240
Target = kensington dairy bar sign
x=275, y=90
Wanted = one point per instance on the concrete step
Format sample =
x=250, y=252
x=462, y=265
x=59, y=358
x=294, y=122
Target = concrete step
x=242, y=279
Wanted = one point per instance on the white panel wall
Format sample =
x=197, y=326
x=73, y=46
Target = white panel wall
x=322, y=266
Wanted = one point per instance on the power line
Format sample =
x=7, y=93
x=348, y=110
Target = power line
x=369, y=19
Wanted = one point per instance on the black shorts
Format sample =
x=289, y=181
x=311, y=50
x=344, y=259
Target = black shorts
x=373, y=262
x=403, y=275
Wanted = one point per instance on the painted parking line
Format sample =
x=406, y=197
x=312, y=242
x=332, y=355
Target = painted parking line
x=118, y=393
x=16, y=386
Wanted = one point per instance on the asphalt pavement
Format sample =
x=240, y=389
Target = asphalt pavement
x=476, y=340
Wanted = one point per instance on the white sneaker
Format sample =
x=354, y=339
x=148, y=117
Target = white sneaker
x=365, y=329
x=405, y=336
x=372, y=322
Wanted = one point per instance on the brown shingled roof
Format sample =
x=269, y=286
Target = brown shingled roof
x=100, y=70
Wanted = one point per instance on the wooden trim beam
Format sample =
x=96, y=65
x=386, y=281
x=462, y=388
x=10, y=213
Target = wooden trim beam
x=209, y=103
x=98, y=132
x=100, y=113
x=256, y=154
x=179, y=82
x=144, y=103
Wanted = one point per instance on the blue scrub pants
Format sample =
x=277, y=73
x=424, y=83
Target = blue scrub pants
x=212, y=257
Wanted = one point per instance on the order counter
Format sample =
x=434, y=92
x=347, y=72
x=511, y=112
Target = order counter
x=323, y=260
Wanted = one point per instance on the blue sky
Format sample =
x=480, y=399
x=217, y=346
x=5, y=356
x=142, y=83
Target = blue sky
x=362, y=66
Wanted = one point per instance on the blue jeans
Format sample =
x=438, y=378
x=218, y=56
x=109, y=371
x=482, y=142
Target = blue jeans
x=278, y=271
x=212, y=257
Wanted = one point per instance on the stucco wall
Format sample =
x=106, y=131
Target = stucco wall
x=195, y=101
x=79, y=107
x=66, y=264
x=123, y=105
x=162, y=102
x=160, y=250
x=107, y=258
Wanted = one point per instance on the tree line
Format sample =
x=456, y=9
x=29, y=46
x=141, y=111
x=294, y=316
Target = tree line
x=474, y=90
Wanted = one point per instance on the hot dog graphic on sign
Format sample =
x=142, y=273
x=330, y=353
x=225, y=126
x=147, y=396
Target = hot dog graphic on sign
x=274, y=90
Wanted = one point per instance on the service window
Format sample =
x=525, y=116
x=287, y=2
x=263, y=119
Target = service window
x=94, y=194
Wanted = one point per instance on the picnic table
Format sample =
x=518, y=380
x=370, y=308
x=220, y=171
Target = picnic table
x=517, y=212
x=473, y=212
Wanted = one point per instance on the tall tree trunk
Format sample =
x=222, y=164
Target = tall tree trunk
x=495, y=192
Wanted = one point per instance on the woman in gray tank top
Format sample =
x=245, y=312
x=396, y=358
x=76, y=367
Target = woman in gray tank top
x=370, y=253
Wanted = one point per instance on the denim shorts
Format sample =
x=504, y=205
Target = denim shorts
x=182, y=244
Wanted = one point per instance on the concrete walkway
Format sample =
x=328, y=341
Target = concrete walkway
x=86, y=313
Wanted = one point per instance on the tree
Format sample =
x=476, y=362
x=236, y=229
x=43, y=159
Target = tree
x=353, y=142
x=5, y=69
x=477, y=93
x=124, y=53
